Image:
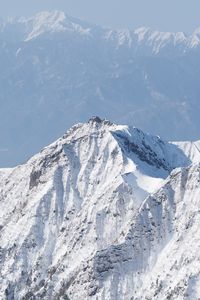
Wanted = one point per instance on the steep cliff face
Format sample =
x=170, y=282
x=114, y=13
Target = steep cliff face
x=92, y=216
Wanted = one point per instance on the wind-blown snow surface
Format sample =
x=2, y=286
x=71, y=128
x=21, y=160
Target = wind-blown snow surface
x=57, y=70
x=96, y=215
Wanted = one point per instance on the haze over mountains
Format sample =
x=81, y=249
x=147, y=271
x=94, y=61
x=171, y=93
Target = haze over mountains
x=102, y=214
x=57, y=70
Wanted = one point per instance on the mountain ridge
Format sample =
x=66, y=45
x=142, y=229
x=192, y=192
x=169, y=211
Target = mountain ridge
x=59, y=21
x=78, y=219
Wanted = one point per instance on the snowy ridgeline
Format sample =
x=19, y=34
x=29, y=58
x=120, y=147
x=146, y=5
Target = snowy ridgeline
x=57, y=70
x=106, y=212
x=59, y=22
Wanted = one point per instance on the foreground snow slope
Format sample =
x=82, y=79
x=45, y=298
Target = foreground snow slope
x=57, y=70
x=92, y=216
x=159, y=258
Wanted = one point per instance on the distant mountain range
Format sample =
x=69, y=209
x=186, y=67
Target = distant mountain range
x=57, y=70
x=106, y=212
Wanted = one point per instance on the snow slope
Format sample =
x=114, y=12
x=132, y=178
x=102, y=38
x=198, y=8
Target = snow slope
x=57, y=70
x=101, y=214
x=159, y=258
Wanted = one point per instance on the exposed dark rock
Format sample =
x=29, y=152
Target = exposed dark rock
x=95, y=119
x=34, y=178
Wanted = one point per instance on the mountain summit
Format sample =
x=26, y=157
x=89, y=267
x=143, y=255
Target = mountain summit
x=105, y=212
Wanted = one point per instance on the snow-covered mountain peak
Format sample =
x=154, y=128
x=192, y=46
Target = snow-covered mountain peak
x=93, y=210
x=47, y=22
x=144, y=160
x=132, y=141
x=52, y=22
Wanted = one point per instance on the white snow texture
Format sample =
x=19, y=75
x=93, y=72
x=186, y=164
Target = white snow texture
x=106, y=212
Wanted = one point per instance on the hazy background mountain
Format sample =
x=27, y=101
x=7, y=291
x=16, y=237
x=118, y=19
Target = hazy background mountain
x=57, y=70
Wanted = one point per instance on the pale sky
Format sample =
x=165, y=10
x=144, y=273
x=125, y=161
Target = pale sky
x=166, y=15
